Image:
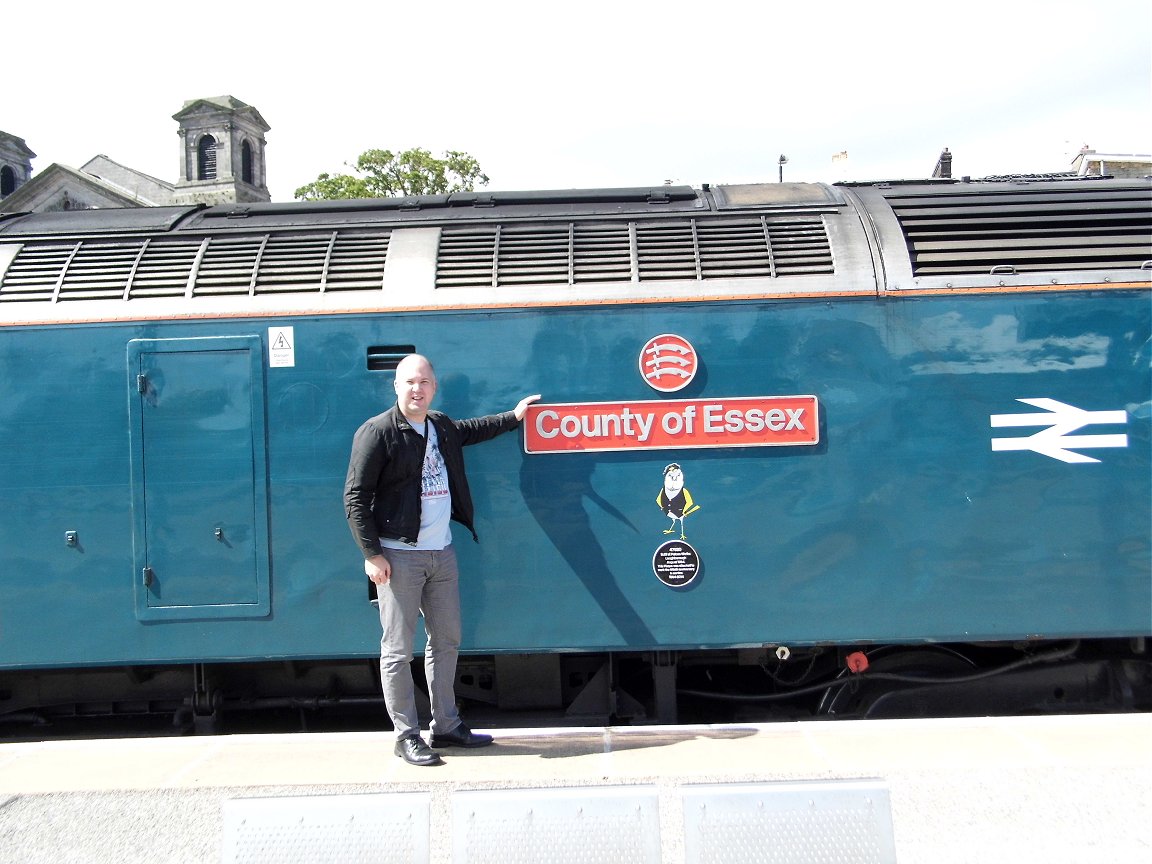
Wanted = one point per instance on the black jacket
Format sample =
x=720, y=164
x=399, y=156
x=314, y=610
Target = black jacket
x=382, y=492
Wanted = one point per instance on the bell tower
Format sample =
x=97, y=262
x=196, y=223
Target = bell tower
x=221, y=152
x=15, y=164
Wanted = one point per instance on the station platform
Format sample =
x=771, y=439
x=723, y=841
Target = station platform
x=1052, y=789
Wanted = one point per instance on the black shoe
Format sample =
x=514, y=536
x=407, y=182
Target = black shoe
x=414, y=751
x=461, y=736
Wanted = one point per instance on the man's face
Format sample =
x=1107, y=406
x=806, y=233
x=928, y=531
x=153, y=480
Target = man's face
x=673, y=482
x=415, y=387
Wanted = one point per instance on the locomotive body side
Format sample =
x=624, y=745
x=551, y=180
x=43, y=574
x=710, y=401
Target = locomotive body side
x=173, y=462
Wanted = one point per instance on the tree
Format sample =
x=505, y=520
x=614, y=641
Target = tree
x=384, y=174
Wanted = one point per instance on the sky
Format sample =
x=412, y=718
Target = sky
x=593, y=94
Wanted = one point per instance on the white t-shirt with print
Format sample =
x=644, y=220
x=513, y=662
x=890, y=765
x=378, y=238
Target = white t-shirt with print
x=435, y=499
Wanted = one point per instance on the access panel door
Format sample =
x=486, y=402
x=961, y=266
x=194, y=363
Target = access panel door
x=199, y=478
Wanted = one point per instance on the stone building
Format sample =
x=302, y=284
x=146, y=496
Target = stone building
x=1089, y=163
x=15, y=163
x=222, y=160
x=223, y=152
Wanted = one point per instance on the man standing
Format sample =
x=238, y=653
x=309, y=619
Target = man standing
x=406, y=482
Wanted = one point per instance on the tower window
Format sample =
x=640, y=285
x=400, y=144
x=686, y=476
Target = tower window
x=7, y=181
x=246, y=162
x=206, y=158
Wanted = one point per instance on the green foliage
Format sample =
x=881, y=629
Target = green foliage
x=384, y=174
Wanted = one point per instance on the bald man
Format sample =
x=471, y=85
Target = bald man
x=406, y=484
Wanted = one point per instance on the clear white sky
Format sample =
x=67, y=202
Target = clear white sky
x=551, y=95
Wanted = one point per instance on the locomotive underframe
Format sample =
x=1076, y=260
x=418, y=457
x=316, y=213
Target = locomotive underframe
x=765, y=684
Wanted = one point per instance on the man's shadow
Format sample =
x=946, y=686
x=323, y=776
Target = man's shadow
x=560, y=512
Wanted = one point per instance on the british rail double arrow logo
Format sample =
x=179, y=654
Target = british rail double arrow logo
x=1056, y=441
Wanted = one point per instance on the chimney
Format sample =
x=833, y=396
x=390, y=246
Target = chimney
x=943, y=167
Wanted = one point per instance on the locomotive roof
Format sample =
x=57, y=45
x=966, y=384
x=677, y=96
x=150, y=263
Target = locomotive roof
x=457, y=206
x=562, y=247
x=544, y=204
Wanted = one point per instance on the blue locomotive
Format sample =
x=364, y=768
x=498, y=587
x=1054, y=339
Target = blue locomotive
x=856, y=450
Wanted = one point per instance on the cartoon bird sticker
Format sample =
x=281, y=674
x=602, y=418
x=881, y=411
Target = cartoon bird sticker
x=674, y=500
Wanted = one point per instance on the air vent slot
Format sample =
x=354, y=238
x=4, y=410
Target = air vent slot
x=385, y=358
x=1030, y=229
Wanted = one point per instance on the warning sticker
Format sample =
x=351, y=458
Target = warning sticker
x=281, y=347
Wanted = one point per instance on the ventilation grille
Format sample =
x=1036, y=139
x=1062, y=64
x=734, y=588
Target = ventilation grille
x=1027, y=230
x=583, y=253
x=197, y=267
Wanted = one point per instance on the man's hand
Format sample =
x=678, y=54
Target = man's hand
x=522, y=407
x=378, y=569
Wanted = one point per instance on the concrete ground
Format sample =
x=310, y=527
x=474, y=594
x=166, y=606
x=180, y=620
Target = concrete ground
x=1046, y=789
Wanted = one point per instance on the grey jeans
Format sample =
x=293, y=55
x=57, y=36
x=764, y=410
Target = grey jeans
x=425, y=583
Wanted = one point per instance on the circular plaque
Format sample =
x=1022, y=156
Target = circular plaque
x=676, y=563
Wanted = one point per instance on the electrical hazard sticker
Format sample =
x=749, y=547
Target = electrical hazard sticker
x=281, y=347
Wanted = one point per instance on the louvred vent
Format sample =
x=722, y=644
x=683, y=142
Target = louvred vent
x=1025, y=229
x=254, y=264
x=580, y=253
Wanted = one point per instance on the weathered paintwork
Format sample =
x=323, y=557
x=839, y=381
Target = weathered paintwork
x=902, y=524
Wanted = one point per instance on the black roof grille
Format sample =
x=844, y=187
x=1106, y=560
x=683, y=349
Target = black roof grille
x=228, y=265
x=35, y=273
x=164, y=268
x=584, y=252
x=972, y=232
x=292, y=263
x=489, y=256
x=600, y=253
x=357, y=262
x=174, y=267
x=98, y=271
